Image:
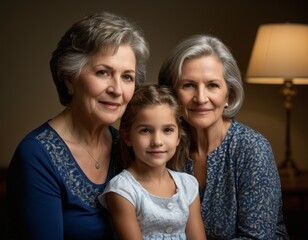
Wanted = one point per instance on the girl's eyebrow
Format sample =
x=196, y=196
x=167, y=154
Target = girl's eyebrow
x=171, y=125
x=150, y=126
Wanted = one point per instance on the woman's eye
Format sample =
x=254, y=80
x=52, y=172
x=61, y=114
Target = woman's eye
x=103, y=73
x=213, y=85
x=128, y=77
x=188, y=85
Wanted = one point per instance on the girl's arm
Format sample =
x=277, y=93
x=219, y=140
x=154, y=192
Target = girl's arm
x=195, y=228
x=123, y=216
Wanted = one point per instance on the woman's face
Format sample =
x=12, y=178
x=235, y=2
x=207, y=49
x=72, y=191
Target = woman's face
x=105, y=86
x=202, y=91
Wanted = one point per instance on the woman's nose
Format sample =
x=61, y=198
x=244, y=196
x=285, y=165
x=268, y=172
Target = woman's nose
x=201, y=96
x=115, y=86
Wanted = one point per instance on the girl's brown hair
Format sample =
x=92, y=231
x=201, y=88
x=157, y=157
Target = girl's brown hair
x=146, y=96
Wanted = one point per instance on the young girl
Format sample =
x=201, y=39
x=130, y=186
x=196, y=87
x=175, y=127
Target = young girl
x=148, y=200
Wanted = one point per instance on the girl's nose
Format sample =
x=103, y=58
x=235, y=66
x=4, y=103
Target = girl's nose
x=156, y=140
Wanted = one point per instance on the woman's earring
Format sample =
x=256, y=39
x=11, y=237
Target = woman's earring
x=70, y=92
x=226, y=105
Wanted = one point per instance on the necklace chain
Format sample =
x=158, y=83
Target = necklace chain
x=97, y=163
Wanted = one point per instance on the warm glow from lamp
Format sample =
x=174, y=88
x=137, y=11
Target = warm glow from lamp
x=280, y=52
x=280, y=56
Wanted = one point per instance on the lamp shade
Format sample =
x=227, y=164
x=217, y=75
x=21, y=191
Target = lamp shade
x=280, y=52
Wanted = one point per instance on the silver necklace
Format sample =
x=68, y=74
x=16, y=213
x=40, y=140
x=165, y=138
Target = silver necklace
x=97, y=163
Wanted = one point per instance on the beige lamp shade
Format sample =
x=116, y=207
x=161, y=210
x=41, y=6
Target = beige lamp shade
x=280, y=52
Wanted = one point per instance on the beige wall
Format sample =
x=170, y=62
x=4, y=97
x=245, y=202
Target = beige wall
x=30, y=31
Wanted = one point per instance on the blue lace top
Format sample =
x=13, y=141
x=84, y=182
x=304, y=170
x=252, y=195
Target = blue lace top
x=242, y=196
x=49, y=196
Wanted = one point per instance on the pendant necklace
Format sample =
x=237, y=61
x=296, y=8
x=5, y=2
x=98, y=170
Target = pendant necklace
x=97, y=163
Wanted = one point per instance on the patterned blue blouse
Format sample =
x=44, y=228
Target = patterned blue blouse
x=242, y=196
x=49, y=196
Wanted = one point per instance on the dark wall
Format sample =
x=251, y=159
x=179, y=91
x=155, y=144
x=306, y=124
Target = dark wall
x=30, y=31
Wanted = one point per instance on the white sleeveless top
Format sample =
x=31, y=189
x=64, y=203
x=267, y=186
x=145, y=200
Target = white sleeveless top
x=159, y=218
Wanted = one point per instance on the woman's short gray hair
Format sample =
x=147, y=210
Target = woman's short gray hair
x=99, y=32
x=203, y=45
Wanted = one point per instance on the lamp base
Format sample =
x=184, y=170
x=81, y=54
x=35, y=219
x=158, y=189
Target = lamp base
x=288, y=168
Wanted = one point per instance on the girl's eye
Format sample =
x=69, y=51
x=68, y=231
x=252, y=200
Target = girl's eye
x=169, y=130
x=145, y=130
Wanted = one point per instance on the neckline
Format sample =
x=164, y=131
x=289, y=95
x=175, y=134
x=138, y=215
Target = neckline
x=152, y=195
x=71, y=157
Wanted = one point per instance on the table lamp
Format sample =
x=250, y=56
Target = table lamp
x=280, y=56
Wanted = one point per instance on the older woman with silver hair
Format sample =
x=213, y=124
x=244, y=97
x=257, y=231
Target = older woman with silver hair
x=234, y=164
x=59, y=169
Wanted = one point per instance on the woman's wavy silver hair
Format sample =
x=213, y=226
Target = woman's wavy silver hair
x=89, y=36
x=204, y=45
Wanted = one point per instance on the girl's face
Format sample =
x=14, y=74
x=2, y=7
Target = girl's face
x=154, y=135
x=202, y=91
x=105, y=86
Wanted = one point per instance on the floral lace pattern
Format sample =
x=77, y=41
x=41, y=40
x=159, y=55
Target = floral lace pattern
x=67, y=167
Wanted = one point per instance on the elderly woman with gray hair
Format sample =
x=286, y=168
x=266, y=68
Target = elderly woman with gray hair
x=59, y=169
x=234, y=164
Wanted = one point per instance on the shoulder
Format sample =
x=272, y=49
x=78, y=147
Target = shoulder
x=122, y=184
x=32, y=162
x=186, y=183
x=246, y=136
x=33, y=142
x=183, y=177
x=120, y=180
x=37, y=131
x=42, y=134
x=41, y=152
x=242, y=129
x=251, y=149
